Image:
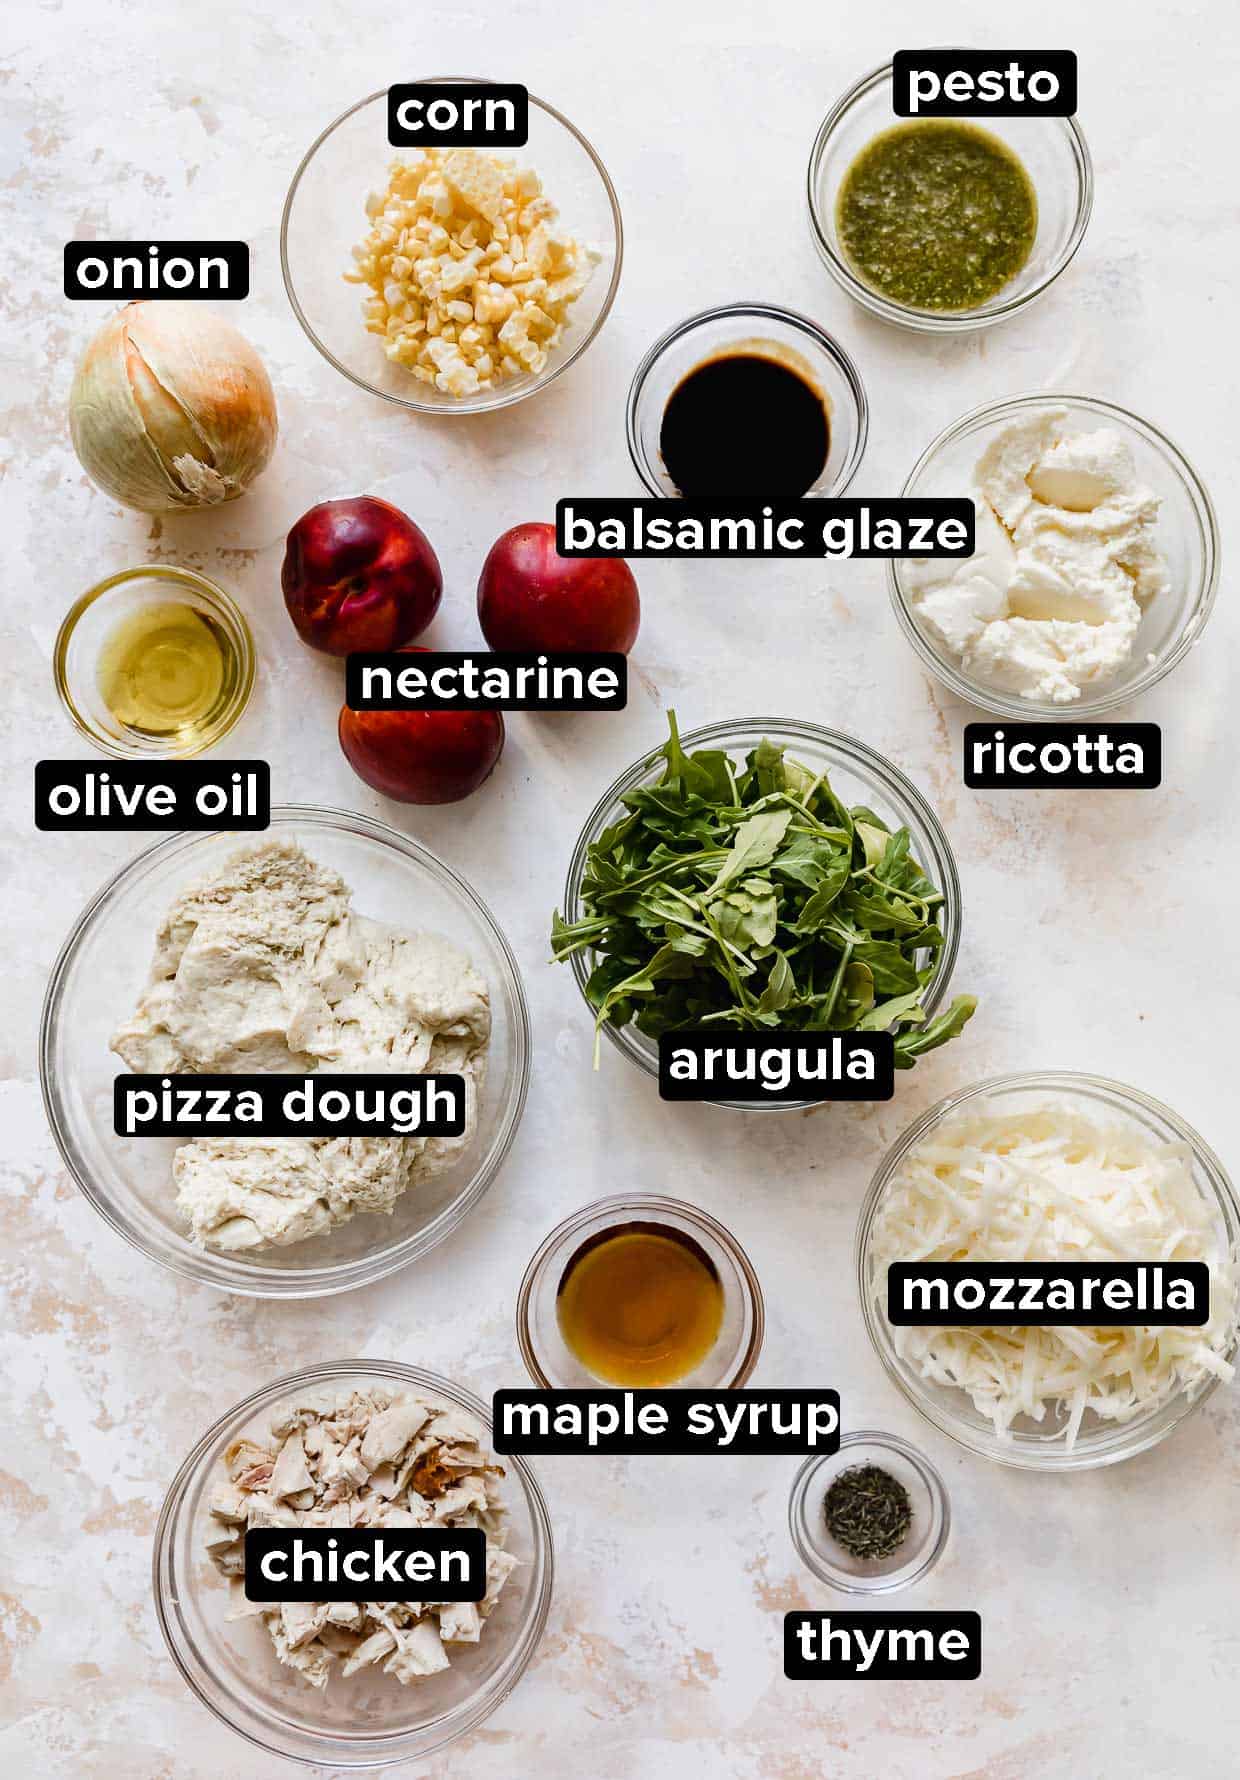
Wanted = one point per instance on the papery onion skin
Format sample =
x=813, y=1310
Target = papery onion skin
x=172, y=409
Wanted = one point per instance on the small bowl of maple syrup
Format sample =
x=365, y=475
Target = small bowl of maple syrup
x=640, y=1292
x=746, y=401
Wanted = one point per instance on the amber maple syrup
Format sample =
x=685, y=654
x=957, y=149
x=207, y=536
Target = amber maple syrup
x=640, y=1305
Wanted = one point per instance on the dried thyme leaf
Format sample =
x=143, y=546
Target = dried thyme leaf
x=868, y=1511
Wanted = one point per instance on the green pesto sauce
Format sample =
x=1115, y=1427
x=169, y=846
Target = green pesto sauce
x=937, y=214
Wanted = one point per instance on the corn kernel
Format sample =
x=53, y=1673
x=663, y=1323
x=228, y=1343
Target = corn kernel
x=456, y=268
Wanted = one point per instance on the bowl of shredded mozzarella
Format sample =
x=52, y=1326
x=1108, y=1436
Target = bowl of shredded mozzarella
x=1055, y=1167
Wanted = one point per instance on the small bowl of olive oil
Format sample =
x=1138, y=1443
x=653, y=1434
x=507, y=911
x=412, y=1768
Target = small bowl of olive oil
x=154, y=661
x=643, y=1293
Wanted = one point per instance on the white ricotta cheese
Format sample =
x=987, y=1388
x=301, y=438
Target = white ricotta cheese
x=263, y=967
x=1050, y=603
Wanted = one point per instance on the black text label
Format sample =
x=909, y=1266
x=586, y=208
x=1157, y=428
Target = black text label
x=424, y=114
x=923, y=1294
x=317, y=1105
x=80, y=795
x=438, y=680
x=882, y=1646
x=153, y=269
x=983, y=82
x=1062, y=756
x=750, y=530
x=365, y=1564
x=677, y=1421
x=705, y=1064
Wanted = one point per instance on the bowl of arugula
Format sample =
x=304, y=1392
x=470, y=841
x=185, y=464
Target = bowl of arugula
x=763, y=874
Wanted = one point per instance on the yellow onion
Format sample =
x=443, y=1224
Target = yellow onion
x=171, y=408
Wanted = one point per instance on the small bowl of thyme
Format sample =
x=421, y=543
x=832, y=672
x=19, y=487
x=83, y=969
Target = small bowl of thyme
x=871, y=1518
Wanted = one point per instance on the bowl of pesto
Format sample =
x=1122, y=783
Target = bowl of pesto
x=945, y=224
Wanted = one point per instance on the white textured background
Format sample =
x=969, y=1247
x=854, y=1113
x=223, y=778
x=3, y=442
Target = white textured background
x=1098, y=927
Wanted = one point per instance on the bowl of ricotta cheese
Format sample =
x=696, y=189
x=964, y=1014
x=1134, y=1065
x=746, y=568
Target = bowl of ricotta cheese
x=1095, y=566
x=328, y=942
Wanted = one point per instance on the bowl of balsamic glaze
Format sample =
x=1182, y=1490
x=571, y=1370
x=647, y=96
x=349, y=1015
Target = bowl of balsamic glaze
x=746, y=401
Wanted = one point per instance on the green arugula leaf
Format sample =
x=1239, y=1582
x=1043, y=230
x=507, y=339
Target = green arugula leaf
x=895, y=856
x=807, y=858
x=880, y=913
x=673, y=959
x=748, y=915
x=780, y=987
x=706, y=774
x=916, y=1041
x=894, y=974
x=754, y=843
x=830, y=884
x=875, y=841
x=887, y=1013
x=765, y=768
x=614, y=836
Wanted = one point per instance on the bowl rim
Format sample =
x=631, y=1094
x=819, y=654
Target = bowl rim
x=472, y=1712
x=319, y=1281
x=930, y=321
x=556, y=365
x=216, y=597
x=629, y=1205
x=1050, y=1455
x=845, y=750
x=1002, y=704
x=888, y=1583
x=761, y=312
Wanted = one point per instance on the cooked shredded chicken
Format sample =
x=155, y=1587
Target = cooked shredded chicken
x=375, y=1459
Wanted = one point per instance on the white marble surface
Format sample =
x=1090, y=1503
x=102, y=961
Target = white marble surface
x=1098, y=929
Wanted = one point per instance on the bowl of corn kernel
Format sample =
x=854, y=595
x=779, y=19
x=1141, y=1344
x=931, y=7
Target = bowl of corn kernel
x=451, y=280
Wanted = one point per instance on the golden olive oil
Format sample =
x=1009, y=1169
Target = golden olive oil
x=165, y=669
x=640, y=1305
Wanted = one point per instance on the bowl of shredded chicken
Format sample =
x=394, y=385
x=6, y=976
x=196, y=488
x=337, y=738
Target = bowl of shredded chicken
x=361, y=1445
x=1055, y=1168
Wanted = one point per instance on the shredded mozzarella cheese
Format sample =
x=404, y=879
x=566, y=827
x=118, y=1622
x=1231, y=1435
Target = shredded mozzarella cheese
x=1055, y=1184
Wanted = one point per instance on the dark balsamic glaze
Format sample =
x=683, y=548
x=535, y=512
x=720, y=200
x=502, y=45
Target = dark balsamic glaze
x=744, y=424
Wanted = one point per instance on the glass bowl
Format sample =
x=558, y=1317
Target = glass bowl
x=1187, y=532
x=325, y=218
x=691, y=342
x=96, y=981
x=90, y=622
x=858, y=775
x=926, y=1537
x=1053, y=152
x=368, y=1720
x=553, y=1365
x=1029, y=1445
